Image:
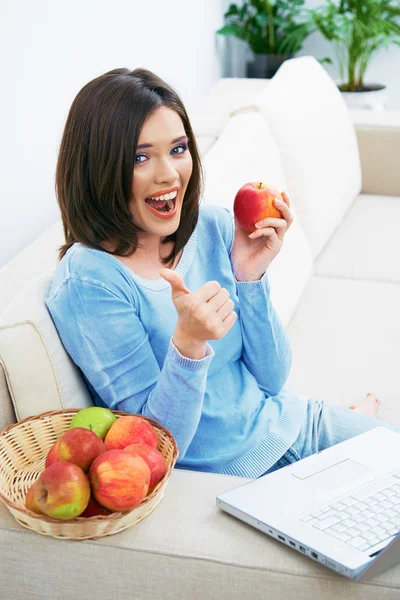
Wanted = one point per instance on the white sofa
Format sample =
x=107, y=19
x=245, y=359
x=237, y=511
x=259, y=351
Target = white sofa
x=336, y=287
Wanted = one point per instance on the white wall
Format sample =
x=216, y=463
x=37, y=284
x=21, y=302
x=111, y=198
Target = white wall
x=49, y=50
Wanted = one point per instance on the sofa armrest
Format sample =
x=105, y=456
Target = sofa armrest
x=378, y=135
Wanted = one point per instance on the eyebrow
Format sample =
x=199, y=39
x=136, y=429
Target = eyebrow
x=179, y=139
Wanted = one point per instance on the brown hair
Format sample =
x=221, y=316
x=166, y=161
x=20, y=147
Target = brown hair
x=96, y=161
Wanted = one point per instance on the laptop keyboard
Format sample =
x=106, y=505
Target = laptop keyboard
x=366, y=519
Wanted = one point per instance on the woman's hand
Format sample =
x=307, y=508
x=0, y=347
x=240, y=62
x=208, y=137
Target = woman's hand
x=253, y=253
x=206, y=314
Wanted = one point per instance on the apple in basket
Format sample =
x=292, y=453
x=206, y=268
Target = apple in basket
x=253, y=202
x=154, y=459
x=95, y=418
x=62, y=491
x=130, y=429
x=78, y=446
x=119, y=480
x=30, y=501
x=94, y=509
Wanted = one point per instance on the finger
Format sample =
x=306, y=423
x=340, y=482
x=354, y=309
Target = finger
x=176, y=281
x=218, y=300
x=271, y=222
x=226, y=309
x=286, y=198
x=208, y=290
x=229, y=321
x=265, y=232
x=284, y=210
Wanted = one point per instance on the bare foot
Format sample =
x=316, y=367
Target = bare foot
x=369, y=406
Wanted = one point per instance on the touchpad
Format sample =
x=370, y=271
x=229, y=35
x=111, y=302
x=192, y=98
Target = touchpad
x=337, y=475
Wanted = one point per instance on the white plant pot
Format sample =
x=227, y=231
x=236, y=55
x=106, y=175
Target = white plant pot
x=375, y=100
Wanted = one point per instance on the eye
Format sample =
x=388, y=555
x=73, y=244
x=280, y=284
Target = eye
x=182, y=146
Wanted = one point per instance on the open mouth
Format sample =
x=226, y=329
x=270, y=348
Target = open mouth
x=163, y=206
x=163, y=209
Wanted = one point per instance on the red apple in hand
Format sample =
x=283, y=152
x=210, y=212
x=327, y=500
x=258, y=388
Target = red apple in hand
x=254, y=202
x=62, y=491
x=130, y=429
x=78, y=446
x=154, y=458
x=119, y=480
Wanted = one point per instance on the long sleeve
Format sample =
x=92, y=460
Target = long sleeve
x=266, y=348
x=104, y=336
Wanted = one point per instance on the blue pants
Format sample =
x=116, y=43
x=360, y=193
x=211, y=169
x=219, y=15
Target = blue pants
x=326, y=425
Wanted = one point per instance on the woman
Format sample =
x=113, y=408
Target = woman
x=163, y=303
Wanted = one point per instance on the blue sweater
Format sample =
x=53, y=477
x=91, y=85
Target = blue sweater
x=229, y=412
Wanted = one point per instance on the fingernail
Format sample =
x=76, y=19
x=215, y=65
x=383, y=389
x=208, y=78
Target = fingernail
x=259, y=224
x=279, y=202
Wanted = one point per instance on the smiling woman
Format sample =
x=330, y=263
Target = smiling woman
x=161, y=177
x=102, y=181
x=198, y=347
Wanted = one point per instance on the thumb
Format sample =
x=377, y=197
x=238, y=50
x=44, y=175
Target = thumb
x=177, y=284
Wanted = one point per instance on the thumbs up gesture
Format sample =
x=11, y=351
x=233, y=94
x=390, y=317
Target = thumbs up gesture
x=206, y=314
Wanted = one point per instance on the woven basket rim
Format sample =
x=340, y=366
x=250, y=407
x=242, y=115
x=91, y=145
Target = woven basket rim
x=114, y=515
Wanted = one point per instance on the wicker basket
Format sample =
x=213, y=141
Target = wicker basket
x=23, y=450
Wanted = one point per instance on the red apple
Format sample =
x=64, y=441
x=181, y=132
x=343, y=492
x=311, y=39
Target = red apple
x=52, y=456
x=119, y=480
x=78, y=446
x=254, y=202
x=62, y=491
x=130, y=429
x=30, y=500
x=154, y=458
x=94, y=509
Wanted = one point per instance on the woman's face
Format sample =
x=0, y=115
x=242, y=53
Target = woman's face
x=166, y=165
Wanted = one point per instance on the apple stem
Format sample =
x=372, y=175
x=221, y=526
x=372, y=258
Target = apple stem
x=260, y=185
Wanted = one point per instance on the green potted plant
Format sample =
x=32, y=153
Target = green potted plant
x=274, y=31
x=358, y=29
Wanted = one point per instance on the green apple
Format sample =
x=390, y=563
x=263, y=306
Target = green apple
x=95, y=418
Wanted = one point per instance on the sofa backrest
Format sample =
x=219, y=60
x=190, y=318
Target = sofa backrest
x=246, y=151
x=317, y=145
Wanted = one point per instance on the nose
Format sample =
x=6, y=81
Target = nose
x=166, y=172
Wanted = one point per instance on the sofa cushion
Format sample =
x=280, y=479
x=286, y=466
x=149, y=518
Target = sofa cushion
x=366, y=245
x=317, y=143
x=7, y=413
x=186, y=548
x=346, y=342
x=246, y=151
x=40, y=374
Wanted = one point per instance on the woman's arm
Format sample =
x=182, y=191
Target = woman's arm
x=104, y=336
x=266, y=348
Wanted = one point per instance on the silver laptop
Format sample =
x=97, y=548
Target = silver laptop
x=340, y=507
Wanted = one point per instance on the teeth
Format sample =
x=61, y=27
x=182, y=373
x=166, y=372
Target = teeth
x=169, y=196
